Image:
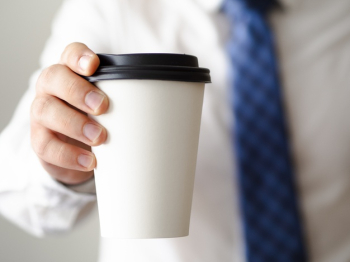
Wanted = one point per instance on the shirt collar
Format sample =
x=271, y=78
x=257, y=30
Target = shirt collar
x=215, y=5
x=210, y=5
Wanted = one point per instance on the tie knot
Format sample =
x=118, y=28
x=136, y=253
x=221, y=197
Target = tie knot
x=261, y=6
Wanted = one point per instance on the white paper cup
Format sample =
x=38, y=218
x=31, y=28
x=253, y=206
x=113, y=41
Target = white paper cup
x=145, y=170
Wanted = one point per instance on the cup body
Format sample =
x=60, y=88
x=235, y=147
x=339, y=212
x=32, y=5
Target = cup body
x=145, y=170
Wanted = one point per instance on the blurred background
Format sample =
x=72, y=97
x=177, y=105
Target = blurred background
x=24, y=28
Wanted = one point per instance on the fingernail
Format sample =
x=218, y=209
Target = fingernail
x=94, y=100
x=92, y=131
x=85, y=160
x=84, y=62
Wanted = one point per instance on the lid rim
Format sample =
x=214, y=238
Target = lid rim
x=151, y=75
x=153, y=67
x=170, y=67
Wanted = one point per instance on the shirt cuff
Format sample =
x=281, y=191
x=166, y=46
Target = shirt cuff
x=87, y=187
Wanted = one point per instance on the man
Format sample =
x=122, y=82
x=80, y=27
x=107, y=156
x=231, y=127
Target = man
x=54, y=182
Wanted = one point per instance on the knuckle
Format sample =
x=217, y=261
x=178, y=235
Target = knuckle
x=71, y=87
x=40, y=106
x=71, y=52
x=61, y=154
x=72, y=46
x=40, y=145
x=69, y=120
x=46, y=77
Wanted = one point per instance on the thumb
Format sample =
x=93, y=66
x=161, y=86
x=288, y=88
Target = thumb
x=80, y=59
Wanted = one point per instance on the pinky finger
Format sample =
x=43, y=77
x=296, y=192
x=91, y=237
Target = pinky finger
x=54, y=151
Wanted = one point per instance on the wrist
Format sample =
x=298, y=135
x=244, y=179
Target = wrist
x=86, y=187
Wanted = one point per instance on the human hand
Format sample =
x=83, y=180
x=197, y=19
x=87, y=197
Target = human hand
x=61, y=132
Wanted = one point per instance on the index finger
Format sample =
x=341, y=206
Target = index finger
x=80, y=59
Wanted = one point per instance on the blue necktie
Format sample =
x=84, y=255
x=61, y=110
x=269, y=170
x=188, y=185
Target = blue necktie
x=271, y=220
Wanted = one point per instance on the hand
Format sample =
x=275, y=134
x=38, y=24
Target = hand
x=61, y=132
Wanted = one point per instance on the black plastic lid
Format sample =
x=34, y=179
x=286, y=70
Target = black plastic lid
x=173, y=67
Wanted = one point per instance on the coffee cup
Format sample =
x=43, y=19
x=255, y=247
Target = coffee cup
x=146, y=168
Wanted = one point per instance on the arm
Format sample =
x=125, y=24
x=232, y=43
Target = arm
x=29, y=195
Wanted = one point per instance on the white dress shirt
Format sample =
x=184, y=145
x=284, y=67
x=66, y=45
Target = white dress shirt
x=313, y=39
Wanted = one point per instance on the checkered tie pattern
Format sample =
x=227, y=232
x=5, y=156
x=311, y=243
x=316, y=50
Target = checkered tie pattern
x=271, y=220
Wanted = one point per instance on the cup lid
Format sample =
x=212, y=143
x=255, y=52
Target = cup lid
x=172, y=67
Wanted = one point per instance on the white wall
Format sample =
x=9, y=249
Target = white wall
x=24, y=27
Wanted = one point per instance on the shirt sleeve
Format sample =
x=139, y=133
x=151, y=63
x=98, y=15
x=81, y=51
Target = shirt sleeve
x=28, y=195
